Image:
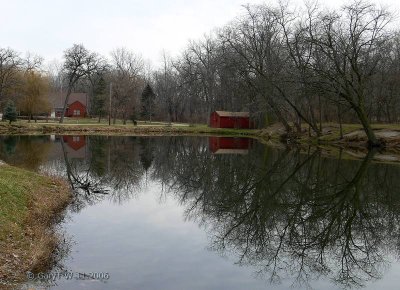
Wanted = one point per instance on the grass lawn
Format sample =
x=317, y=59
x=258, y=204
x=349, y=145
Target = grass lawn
x=28, y=205
x=95, y=121
x=91, y=126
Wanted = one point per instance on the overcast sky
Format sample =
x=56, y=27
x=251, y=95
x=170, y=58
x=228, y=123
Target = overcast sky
x=48, y=27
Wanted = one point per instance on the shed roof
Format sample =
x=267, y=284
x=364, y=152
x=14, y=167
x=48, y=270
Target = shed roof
x=233, y=114
x=57, y=99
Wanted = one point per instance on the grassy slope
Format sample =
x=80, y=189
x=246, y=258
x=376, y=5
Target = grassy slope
x=28, y=204
x=84, y=127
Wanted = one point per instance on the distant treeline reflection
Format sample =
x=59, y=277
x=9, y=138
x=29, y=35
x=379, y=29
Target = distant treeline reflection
x=285, y=213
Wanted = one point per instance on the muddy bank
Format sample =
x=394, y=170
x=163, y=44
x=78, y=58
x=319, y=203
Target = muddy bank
x=352, y=135
x=353, y=144
x=29, y=205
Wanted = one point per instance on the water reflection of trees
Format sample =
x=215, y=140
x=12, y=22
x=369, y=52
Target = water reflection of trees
x=110, y=171
x=290, y=214
x=99, y=168
x=24, y=151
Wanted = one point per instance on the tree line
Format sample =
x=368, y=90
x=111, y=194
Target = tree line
x=306, y=66
x=28, y=86
x=301, y=67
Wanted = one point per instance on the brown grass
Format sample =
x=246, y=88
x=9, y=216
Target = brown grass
x=28, y=239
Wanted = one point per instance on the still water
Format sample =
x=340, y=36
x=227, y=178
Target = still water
x=216, y=213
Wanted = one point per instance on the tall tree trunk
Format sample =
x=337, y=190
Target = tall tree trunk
x=320, y=113
x=279, y=115
x=389, y=118
x=150, y=113
x=372, y=140
x=66, y=103
x=340, y=121
x=298, y=124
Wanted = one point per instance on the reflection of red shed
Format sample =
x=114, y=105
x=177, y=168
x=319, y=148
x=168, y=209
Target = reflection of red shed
x=229, y=145
x=222, y=119
x=75, y=142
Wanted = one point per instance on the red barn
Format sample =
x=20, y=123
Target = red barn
x=223, y=119
x=76, y=109
x=77, y=105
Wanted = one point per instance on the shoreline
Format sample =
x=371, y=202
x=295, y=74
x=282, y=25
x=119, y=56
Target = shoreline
x=30, y=206
x=353, y=143
x=93, y=129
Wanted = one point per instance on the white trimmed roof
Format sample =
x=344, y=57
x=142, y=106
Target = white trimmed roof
x=233, y=114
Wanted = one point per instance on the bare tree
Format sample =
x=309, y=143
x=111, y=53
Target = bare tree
x=257, y=40
x=10, y=64
x=348, y=52
x=126, y=76
x=33, y=62
x=80, y=63
x=167, y=84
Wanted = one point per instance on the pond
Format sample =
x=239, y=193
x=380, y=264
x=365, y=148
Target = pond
x=216, y=213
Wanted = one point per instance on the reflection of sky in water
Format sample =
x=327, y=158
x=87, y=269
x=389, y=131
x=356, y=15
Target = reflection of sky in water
x=142, y=236
x=146, y=244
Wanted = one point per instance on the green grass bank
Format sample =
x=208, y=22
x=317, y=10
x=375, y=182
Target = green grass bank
x=29, y=204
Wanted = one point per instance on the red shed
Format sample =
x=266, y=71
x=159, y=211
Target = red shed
x=76, y=109
x=223, y=119
x=77, y=105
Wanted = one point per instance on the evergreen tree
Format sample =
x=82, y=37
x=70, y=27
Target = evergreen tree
x=148, y=98
x=10, y=112
x=99, y=98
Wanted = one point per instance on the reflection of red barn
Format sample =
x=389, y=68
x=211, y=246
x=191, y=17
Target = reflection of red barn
x=76, y=146
x=222, y=119
x=229, y=145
